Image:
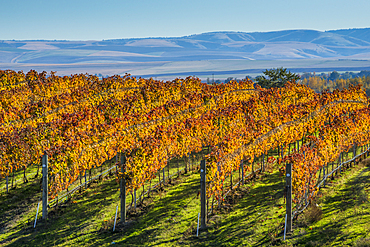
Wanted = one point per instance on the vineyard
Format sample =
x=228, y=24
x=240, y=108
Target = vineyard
x=135, y=127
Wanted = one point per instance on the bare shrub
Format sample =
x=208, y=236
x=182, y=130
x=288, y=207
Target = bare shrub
x=312, y=214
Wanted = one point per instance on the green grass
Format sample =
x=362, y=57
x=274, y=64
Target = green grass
x=88, y=213
x=95, y=208
x=169, y=218
x=345, y=211
x=18, y=178
x=253, y=215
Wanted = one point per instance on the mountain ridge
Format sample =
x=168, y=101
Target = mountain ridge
x=298, y=44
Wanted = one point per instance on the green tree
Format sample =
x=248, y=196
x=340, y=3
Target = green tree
x=334, y=76
x=228, y=79
x=276, y=78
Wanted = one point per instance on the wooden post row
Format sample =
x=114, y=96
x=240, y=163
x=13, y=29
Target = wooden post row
x=288, y=174
x=44, y=162
x=203, y=209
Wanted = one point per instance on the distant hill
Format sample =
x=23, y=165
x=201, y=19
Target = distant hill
x=351, y=44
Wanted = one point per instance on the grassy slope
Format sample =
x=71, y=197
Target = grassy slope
x=169, y=217
x=345, y=210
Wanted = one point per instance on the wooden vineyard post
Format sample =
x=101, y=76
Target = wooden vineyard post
x=347, y=154
x=7, y=184
x=25, y=180
x=327, y=168
x=13, y=179
x=263, y=163
x=354, y=154
x=239, y=177
x=150, y=187
x=298, y=146
x=282, y=151
x=332, y=168
x=213, y=200
x=289, y=196
x=253, y=167
x=178, y=168
x=203, y=210
x=117, y=162
x=67, y=195
x=323, y=175
x=186, y=166
x=142, y=195
x=85, y=180
x=340, y=162
x=242, y=168
x=222, y=188
x=168, y=170
x=135, y=199
x=123, y=190
x=44, y=162
x=164, y=176
x=101, y=171
x=231, y=180
x=189, y=160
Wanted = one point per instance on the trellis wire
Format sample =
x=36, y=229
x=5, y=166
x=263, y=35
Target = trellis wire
x=15, y=182
x=63, y=197
x=215, y=203
x=298, y=207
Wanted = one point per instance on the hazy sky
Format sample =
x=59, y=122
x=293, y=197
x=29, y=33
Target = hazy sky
x=113, y=19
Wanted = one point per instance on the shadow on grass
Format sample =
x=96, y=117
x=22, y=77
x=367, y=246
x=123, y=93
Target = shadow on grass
x=251, y=218
x=343, y=214
x=18, y=202
x=169, y=216
x=79, y=224
x=69, y=221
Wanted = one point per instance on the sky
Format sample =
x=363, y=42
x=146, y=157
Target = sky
x=118, y=19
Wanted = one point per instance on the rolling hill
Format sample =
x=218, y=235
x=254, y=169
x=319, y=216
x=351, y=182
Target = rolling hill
x=350, y=48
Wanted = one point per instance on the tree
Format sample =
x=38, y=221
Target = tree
x=334, y=76
x=228, y=79
x=276, y=78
